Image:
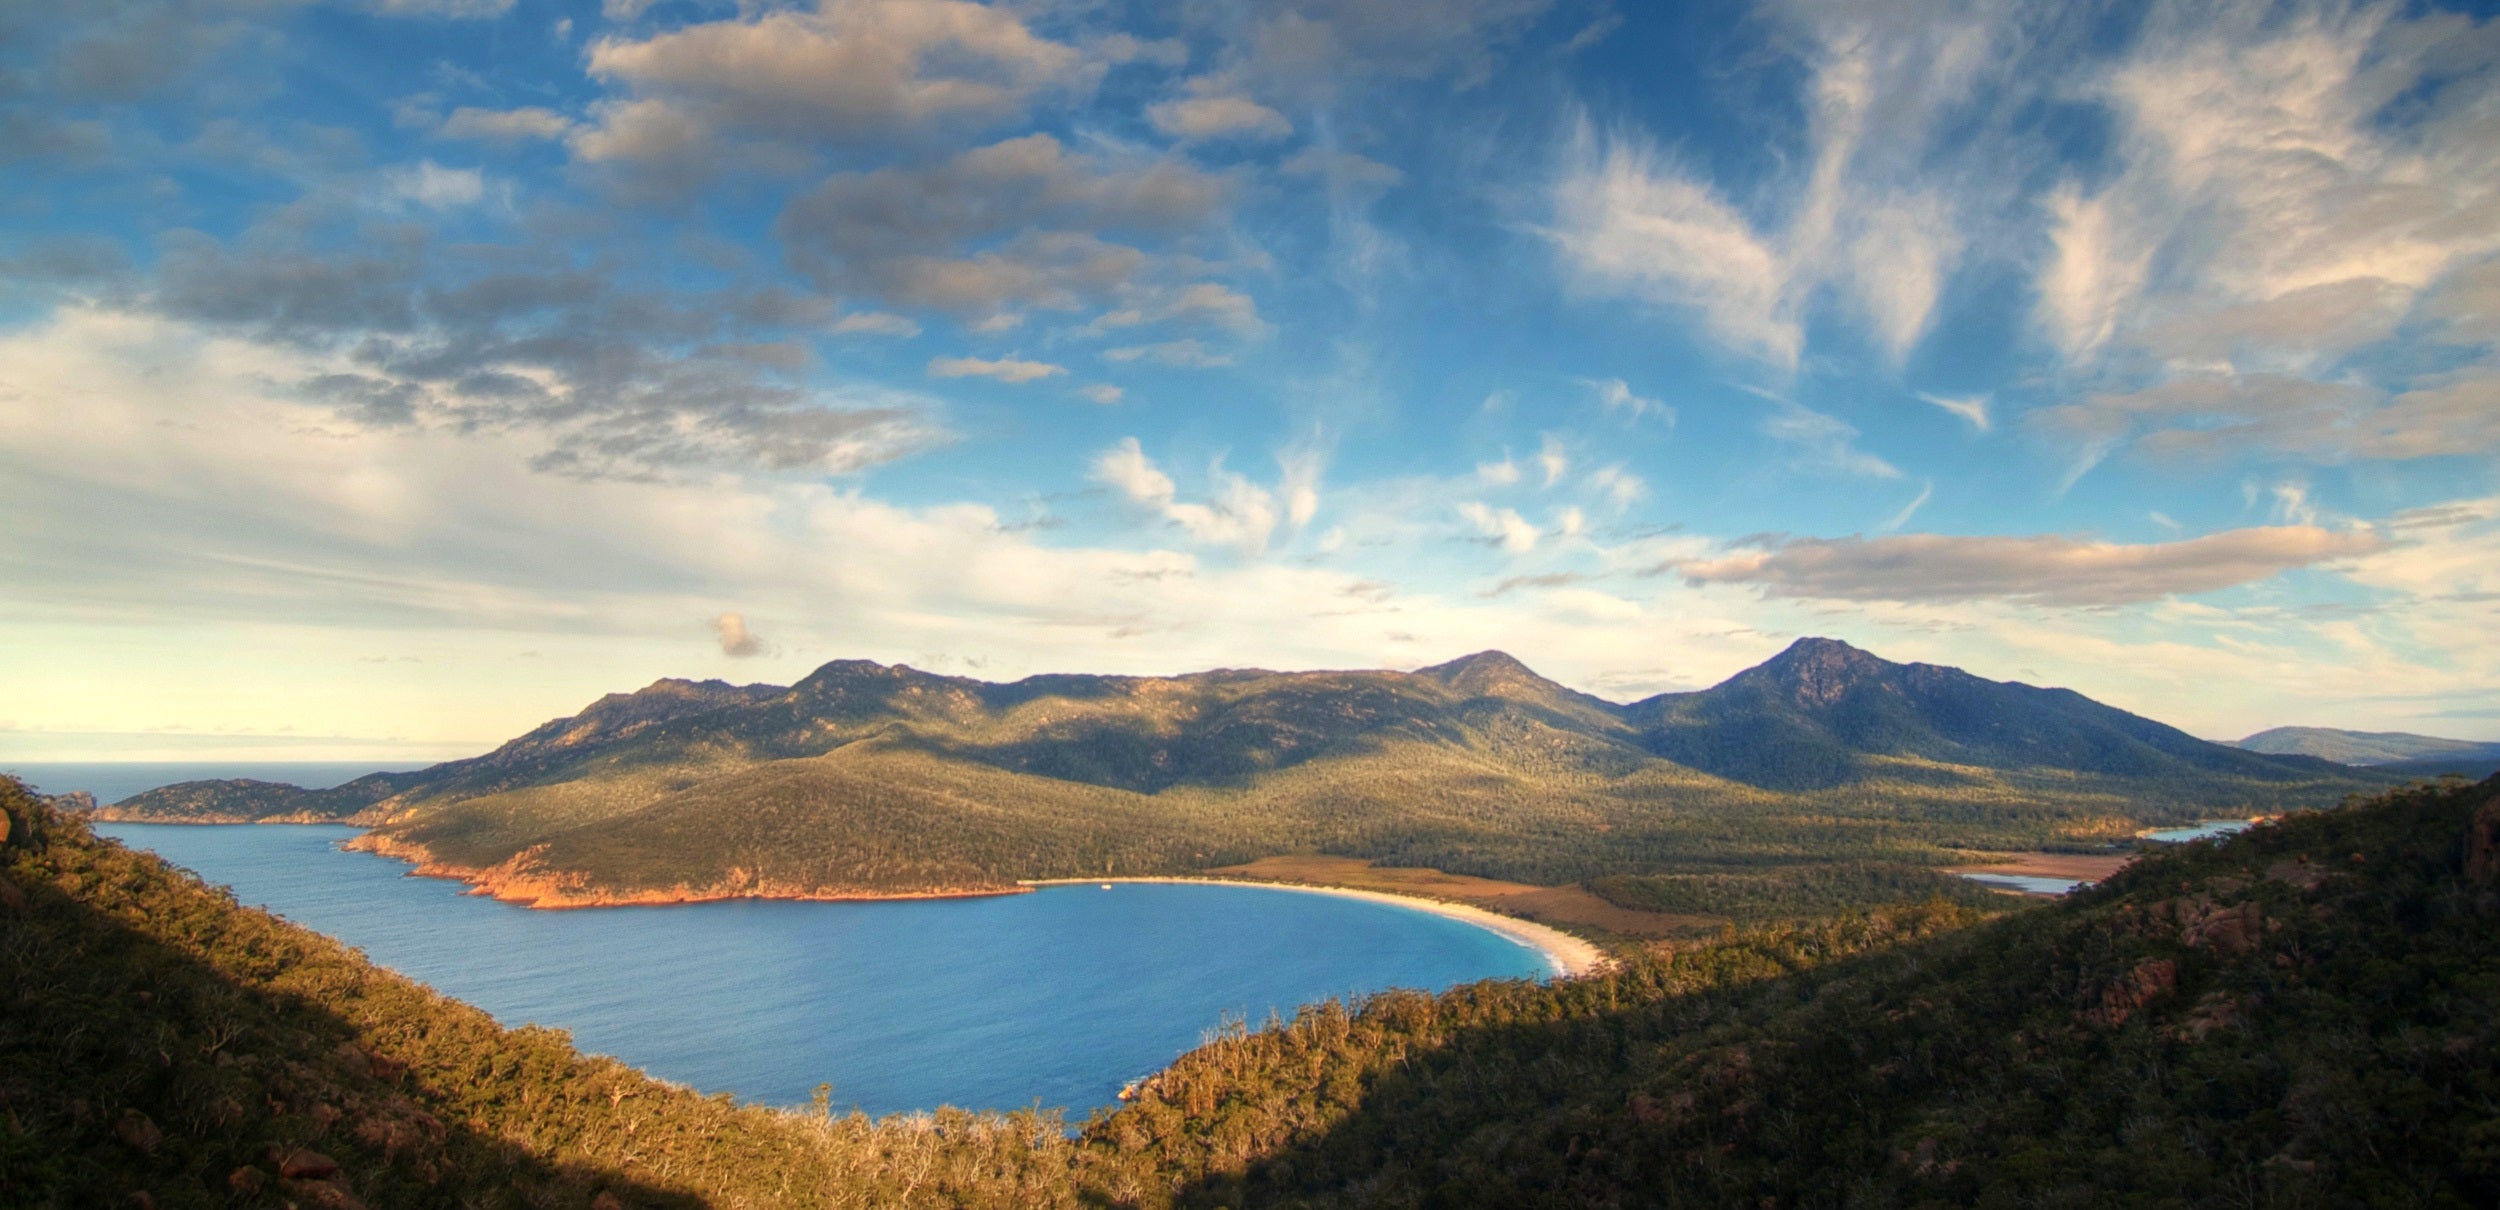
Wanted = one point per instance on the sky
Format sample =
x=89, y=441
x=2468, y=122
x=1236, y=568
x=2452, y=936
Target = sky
x=380, y=379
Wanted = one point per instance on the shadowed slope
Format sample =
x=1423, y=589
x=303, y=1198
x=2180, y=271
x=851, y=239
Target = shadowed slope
x=2302, y=1016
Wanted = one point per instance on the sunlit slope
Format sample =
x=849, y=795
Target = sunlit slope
x=2308, y=1015
x=864, y=778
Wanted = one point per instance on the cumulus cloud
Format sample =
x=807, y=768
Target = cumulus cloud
x=1022, y=223
x=1008, y=370
x=736, y=641
x=1552, y=460
x=1616, y=395
x=850, y=71
x=2045, y=569
x=1192, y=353
x=505, y=125
x=435, y=187
x=1236, y=513
x=1217, y=117
x=876, y=323
x=1620, y=487
x=1503, y=527
x=613, y=381
x=1103, y=393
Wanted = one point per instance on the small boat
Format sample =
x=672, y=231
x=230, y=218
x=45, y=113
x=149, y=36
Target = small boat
x=1106, y=886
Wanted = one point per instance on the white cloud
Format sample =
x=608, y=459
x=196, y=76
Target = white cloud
x=1498, y=474
x=736, y=641
x=1621, y=488
x=1126, y=467
x=505, y=125
x=2047, y=569
x=851, y=71
x=1217, y=117
x=1005, y=369
x=1551, y=459
x=1972, y=408
x=1238, y=514
x=1899, y=519
x=435, y=187
x=1616, y=395
x=1823, y=442
x=1103, y=393
x=1503, y=526
x=1866, y=223
x=1192, y=353
x=876, y=323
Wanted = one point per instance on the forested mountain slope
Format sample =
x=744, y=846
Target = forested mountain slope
x=2305, y=1015
x=866, y=779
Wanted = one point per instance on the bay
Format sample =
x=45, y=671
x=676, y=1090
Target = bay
x=1054, y=998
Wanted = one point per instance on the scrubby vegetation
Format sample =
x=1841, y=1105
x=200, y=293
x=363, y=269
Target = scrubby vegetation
x=2306, y=1014
x=1789, y=893
x=161, y=1046
x=865, y=779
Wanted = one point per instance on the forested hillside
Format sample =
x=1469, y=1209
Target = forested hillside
x=864, y=779
x=2307, y=1014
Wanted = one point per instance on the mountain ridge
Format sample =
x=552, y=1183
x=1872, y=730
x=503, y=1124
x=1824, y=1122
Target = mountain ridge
x=863, y=778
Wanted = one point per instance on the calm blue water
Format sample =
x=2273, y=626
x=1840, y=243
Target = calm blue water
x=2029, y=884
x=111, y=783
x=1059, y=996
x=2211, y=827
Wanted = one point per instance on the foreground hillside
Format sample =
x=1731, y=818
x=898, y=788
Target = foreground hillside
x=2308, y=1014
x=160, y=1046
x=2301, y=1016
x=871, y=780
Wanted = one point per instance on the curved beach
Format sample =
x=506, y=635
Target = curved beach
x=1569, y=956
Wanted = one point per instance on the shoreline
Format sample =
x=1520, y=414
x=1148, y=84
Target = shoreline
x=1569, y=957
x=516, y=882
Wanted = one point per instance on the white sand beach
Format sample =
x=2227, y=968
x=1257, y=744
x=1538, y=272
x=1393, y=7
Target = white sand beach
x=1569, y=956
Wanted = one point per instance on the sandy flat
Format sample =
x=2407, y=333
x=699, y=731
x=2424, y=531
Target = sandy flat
x=2090, y=866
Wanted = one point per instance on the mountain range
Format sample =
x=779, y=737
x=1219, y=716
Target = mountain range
x=867, y=779
x=2428, y=755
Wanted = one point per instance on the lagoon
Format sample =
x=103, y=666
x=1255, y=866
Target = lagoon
x=1057, y=997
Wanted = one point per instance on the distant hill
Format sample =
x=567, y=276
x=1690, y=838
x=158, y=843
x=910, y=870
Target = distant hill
x=2368, y=747
x=867, y=779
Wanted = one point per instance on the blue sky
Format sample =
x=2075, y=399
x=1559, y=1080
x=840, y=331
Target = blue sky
x=379, y=379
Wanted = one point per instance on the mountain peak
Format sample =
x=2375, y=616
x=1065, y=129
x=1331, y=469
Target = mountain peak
x=1819, y=671
x=1487, y=673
